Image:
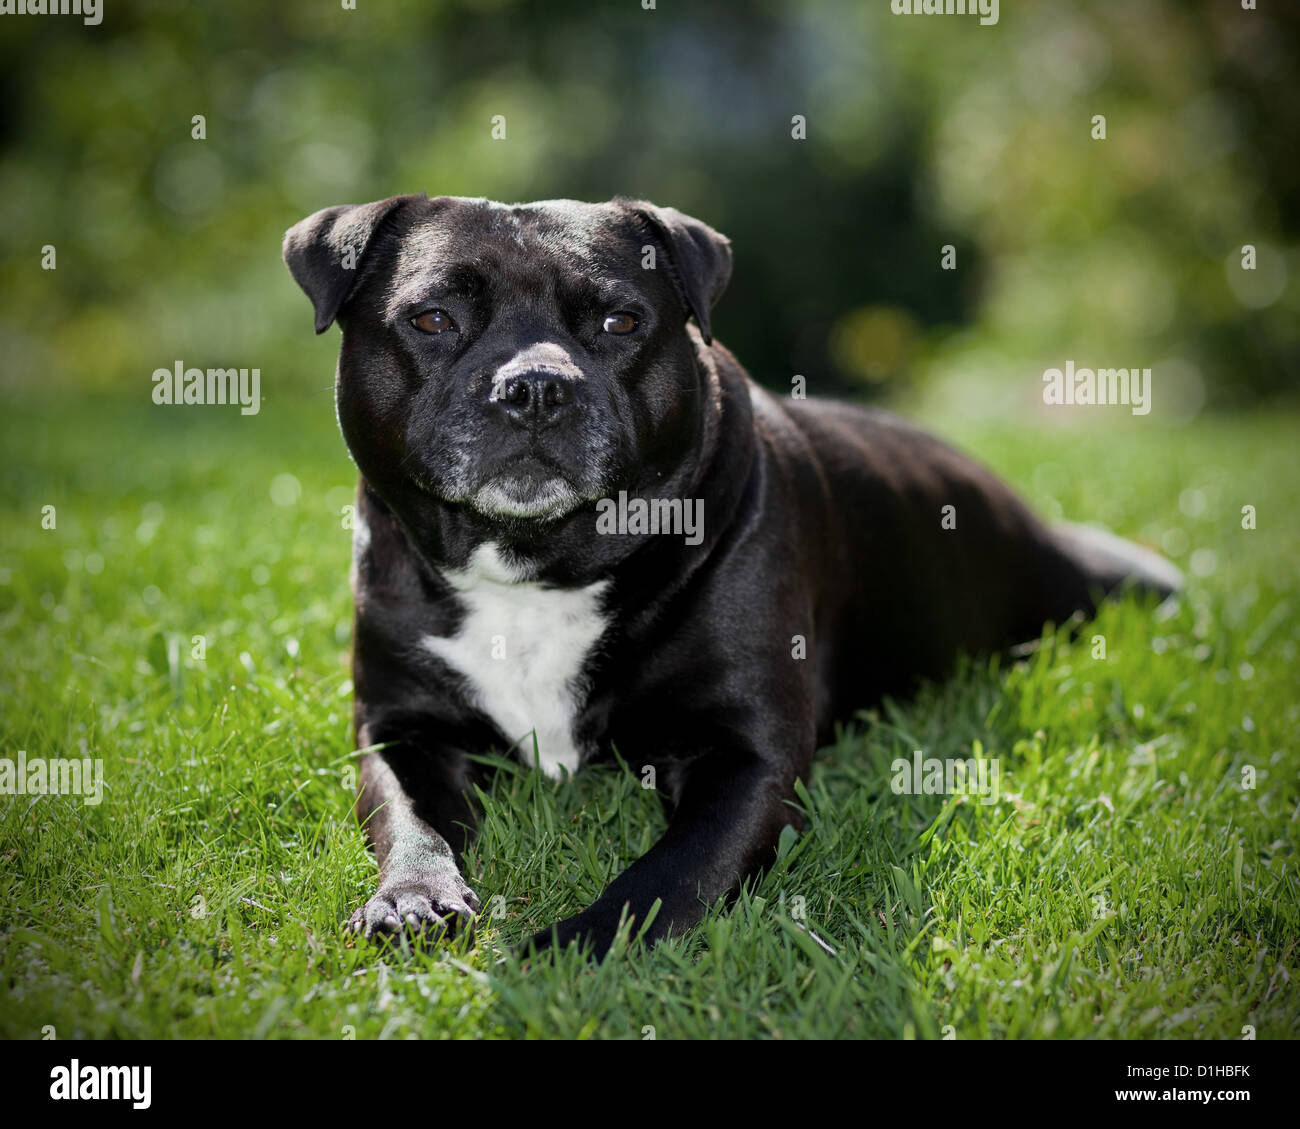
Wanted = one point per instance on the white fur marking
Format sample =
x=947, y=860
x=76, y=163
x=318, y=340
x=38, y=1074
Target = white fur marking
x=544, y=636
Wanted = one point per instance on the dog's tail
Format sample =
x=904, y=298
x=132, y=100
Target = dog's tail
x=1112, y=564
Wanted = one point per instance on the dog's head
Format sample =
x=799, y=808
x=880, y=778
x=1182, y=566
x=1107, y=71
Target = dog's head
x=516, y=360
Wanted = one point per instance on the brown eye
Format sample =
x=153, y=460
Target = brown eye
x=620, y=323
x=434, y=321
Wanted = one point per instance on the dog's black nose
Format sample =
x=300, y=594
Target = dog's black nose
x=535, y=396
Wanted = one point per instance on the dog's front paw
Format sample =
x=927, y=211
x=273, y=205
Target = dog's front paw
x=421, y=909
x=592, y=932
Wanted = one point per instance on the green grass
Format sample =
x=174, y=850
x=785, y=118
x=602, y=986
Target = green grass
x=1125, y=884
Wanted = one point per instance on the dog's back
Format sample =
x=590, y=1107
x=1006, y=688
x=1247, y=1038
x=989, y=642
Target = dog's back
x=920, y=526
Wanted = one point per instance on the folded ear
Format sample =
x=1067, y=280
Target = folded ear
x=699, y=258
x=324, y=252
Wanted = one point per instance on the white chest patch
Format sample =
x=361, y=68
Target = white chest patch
x=521, y=648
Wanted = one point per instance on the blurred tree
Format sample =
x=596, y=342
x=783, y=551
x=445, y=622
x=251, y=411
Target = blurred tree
x=921, y=133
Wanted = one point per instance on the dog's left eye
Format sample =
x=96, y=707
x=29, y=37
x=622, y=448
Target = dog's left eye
x=434, y=321
x=620, y=323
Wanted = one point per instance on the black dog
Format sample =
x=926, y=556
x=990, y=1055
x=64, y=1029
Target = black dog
x=525, y=400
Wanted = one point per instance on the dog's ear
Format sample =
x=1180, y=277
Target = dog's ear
x=699, y=258
x=324, y=252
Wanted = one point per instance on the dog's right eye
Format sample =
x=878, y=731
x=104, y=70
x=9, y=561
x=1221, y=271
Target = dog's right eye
x=434, y=321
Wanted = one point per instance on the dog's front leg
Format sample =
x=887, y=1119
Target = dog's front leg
x=725, y=825
x=414, y=807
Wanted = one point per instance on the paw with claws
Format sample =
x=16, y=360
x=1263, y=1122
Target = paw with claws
x=425, y=909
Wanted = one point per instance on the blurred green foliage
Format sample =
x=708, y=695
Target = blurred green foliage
x=921, y=132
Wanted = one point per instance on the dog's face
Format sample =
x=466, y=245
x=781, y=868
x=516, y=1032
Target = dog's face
x=518, y=361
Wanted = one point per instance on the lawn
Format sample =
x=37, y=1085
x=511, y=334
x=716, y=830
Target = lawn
x=187, y=622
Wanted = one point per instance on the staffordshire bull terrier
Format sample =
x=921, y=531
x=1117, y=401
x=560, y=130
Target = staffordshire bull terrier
x=581, y=527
